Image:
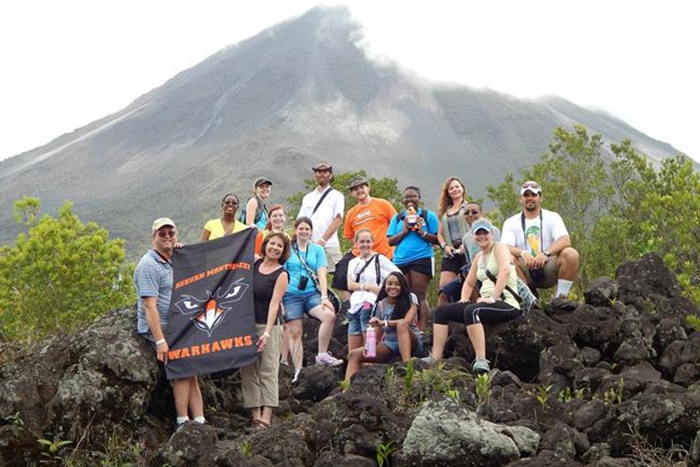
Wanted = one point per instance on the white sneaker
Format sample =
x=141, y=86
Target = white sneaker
x=326, y=359
x=295, y=378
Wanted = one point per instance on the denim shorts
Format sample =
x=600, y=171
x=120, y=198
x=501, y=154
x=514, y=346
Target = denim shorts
x=295, y=305
x=393, y=345
x=357, y=322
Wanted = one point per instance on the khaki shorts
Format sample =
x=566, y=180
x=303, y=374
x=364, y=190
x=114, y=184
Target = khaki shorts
x=333, y=255
x=546, y=280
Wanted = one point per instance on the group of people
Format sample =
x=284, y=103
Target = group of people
x=383, y=281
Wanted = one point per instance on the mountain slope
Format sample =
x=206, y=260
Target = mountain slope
x=275, y=104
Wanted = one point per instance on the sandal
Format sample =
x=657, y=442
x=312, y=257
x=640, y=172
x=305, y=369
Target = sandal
x=259, y=425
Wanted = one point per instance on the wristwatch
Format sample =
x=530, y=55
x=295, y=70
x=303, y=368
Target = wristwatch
x=547, y=253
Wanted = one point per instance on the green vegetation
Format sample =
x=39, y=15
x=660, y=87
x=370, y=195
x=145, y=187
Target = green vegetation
x=543, y=396
x=616, y=211
x=59, y=275
x=384, y=452
x=482, y=388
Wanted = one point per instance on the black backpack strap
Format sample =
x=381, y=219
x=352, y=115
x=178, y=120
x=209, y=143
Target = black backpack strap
x=320, y=200
x=357, y=276
x=510, y=291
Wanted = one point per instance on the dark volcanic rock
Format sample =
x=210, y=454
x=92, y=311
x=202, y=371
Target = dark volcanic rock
x=574, y=389
x=601, y=292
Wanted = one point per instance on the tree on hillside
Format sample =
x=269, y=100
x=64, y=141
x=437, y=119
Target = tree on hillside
x=616, y=211
x=60, y=275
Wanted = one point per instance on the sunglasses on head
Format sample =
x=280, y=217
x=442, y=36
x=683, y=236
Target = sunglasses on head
x=531, y=185
x=167, y=233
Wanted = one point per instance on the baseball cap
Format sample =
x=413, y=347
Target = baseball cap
x=534, y=187
x=358, y=181
x=482, y=224
x=162, y=222
x=322, y=166
x=261, y=181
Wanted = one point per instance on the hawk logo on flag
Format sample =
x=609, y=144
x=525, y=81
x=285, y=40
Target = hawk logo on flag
x=208, y=313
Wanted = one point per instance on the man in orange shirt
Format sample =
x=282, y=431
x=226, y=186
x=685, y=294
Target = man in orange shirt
x=369, y=213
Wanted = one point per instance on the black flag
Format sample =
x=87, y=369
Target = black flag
x=212, y=323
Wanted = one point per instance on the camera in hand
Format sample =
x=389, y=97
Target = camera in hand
x=303, y=282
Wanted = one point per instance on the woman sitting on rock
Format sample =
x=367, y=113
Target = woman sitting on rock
x=495, y=304
x=394, y=317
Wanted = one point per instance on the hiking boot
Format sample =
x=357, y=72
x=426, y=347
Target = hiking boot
x=429, y=360
x=563, y=304
x=480, y=365
x=326, y=359
x=295, y=378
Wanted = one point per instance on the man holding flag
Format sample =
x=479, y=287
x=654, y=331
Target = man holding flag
x=154, y=284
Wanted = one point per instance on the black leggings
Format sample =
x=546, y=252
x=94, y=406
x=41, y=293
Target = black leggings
x=472, y=313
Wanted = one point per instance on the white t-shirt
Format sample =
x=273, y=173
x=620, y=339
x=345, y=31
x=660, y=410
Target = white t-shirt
x=333, y=205
x=368, y=276
x=540, y=232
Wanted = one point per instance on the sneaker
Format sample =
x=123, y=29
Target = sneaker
x=564, y=304
x=295, y=378
x=429, y=360
x=326, y=359
x=481, y=365
x=284, y=362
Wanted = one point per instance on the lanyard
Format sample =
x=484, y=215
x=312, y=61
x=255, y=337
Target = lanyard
x=522, y=222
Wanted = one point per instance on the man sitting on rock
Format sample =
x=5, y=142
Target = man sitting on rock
x=541, y=247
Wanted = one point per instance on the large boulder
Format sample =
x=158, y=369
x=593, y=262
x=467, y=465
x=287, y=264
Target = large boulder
x=443, y=433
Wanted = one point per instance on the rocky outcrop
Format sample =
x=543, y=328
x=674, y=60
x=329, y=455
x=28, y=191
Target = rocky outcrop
x=607, y=384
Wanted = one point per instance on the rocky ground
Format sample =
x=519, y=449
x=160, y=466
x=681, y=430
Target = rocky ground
x=614, y=383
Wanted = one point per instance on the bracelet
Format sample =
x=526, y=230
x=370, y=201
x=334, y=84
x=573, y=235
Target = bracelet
x=324, y=297
x=443, y=245
x=162, y=341
x=422, y=234
x=322, y=240
x=266, y=334
x=386, y=323
x=362, y=286
x=522, y=253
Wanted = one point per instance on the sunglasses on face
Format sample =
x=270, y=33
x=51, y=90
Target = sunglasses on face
x=471, y=213
x=231, y=202
x=167, y=233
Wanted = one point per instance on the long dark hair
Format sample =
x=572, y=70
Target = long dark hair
x=403, y=301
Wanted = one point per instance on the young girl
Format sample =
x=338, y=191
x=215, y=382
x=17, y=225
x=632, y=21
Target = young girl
x=395, y=319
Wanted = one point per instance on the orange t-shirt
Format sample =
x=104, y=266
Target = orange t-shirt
x=375, y=217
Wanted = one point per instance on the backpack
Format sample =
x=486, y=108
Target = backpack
x=524, y=295
x=258, y=211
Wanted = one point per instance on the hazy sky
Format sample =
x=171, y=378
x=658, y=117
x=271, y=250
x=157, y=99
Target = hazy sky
x=66, y=63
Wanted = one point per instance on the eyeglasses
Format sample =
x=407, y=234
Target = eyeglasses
x=231, y=202
x=167, y=233
x=471, y=213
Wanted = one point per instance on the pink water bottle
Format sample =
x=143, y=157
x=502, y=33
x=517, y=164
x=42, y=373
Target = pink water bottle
x=371, y=342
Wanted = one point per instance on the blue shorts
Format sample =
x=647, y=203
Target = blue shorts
x=453, y=290
x=393, y=345
x=295, y=305
x=357, y=322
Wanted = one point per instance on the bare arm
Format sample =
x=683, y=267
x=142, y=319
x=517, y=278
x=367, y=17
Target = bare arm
x=250, y=208
x=205, y=236
x=470, y=281
x=153, y=319
x=278, y=292
x=333, y=228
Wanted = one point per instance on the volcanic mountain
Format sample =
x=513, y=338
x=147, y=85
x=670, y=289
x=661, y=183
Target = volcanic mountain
x=275, y=104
